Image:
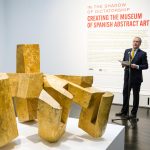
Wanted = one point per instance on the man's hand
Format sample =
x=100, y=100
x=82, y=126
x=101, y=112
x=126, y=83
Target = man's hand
x=134, y=66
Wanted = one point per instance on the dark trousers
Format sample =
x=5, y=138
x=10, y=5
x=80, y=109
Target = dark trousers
x=126, y=97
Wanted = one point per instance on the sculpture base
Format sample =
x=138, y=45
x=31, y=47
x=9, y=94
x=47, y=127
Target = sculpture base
x=74, y=138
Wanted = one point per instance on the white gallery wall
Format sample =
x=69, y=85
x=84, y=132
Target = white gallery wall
x=56, y=25
x=2, y=33
x=60, y=27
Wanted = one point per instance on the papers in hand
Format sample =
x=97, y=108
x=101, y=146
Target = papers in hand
x=124, y=63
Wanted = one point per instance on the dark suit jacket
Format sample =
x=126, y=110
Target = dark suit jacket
x=140, y=59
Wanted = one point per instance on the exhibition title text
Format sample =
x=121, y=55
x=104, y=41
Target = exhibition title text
x=99, y=19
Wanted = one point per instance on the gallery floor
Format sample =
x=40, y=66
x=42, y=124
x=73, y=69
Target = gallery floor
x=135, y=139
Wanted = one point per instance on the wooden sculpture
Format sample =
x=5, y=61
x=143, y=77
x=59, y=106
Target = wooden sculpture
x=84, y=81
x=93, y=119
x=26, y=100
x=56, y=88
x=28, y=58
x=13, y=82
x=48, y=99
x=50, y=124
x=95, y=106
x=29, y=81
x=8, y=126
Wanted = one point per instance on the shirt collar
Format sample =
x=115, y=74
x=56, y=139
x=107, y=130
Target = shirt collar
x=135, y=50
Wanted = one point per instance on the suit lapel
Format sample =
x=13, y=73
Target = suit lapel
x=129, y=53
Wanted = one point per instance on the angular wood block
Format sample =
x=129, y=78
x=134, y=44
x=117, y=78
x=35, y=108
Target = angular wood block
x=8, y=126
x=28, y=58
x=81, y=95
x=30, y=85
x=26, y=108
x=50, y=126
x=84, y=81
x=13, y=80
x=57, y=88
x=93, y=119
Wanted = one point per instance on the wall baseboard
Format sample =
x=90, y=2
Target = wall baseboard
x=143, y=100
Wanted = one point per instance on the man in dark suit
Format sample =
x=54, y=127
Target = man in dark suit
x=138, y=63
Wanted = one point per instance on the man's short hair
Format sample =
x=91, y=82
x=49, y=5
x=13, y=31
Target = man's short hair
x=138, y=38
